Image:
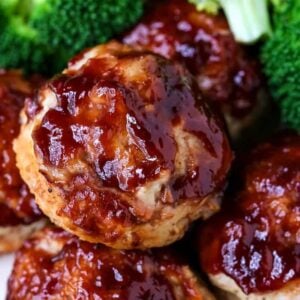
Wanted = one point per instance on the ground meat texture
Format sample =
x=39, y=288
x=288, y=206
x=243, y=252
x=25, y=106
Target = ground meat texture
x=124, y=145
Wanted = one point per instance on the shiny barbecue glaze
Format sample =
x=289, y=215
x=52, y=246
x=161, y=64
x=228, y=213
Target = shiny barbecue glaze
x=14, y=193
x=255, y=238
x=57, y=264
x=115, y=119
x=8, y=216
x=204, y=44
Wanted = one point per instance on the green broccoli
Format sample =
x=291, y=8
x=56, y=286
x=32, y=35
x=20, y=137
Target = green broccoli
x=20, y=47
x=75, y=24
x=41, y=35
x=248, y=19
x=281, y=60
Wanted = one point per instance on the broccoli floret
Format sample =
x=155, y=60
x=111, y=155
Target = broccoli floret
x=20, y=48
x=42, y=35
x=75, y=24
x=248, y=19
x=281, y=60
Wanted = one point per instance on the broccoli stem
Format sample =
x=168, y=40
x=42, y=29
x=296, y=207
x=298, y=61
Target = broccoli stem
x=248, y=19
x=209, y=6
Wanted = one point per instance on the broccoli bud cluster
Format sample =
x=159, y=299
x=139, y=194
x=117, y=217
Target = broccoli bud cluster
x=41, y=35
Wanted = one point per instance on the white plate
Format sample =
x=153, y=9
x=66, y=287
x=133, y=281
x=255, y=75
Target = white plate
x=6, y=263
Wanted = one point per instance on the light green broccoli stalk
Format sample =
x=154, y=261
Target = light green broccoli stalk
x=210, y=6
x=248, y=19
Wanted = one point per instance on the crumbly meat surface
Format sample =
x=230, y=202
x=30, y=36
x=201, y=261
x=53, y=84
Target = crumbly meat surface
x=122, y=149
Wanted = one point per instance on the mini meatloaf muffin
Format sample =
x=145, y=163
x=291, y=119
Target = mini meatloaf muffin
x=19, y=214
x=227, y=74
x=251, y=249
x=122, y=149
x=54, y=264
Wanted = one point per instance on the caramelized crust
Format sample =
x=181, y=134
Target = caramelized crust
x=17, y=206
x=255, y=238
x=226, y=74
x=56, y=265
x=124, y=150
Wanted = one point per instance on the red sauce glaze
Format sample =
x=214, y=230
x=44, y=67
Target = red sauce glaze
x=14, y=193
x=122, y=130
x=255, y=237
x=79, y=270
x=204, y=44
x=8, y=216
x=88, y=204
